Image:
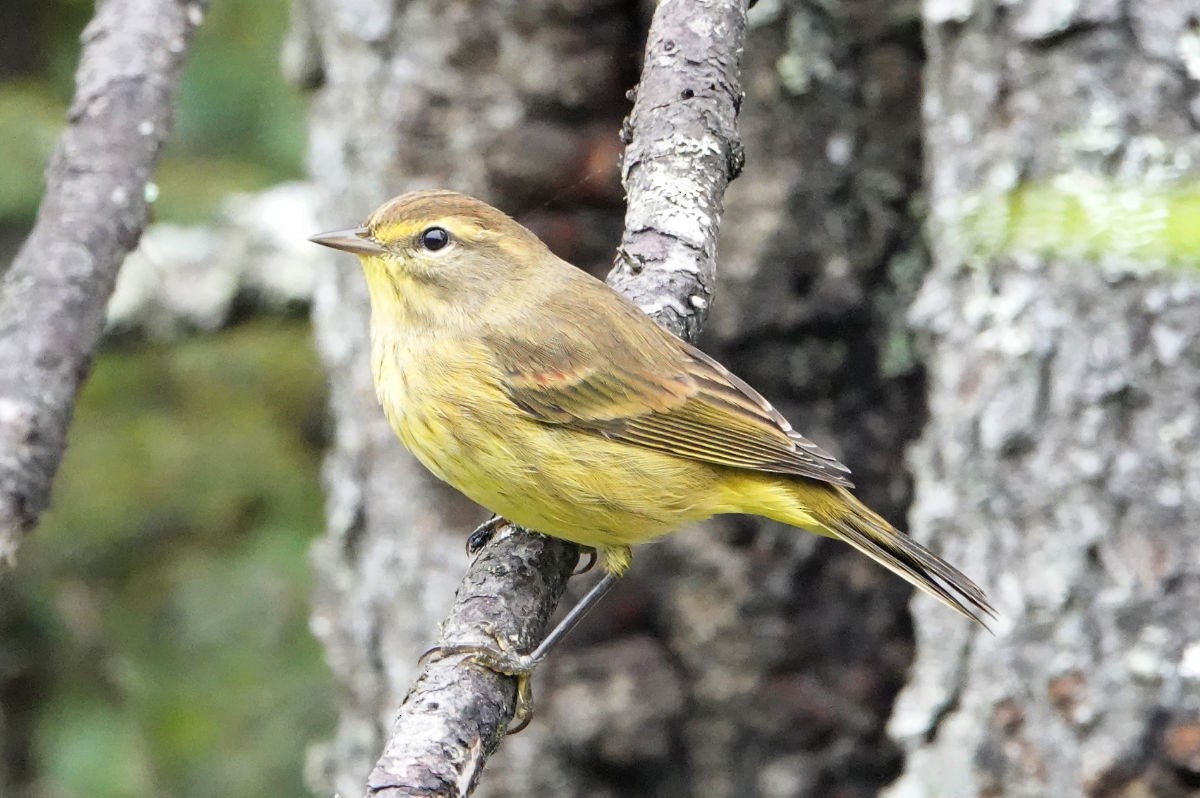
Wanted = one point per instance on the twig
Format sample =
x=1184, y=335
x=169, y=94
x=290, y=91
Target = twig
x=682, y=152
x=53, y=298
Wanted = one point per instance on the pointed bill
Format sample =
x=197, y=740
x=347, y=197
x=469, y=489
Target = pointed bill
x=355, y=239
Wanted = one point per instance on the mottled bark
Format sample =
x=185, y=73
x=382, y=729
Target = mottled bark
x=96, y=205
x=745, y=659
x=1059, y=463
x=683, y=149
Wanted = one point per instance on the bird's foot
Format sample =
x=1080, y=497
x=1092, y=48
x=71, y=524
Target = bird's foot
x=506, y=663
x=501, y=659
x=484, y=533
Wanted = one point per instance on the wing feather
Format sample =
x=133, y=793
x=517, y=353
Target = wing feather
x=641, y=385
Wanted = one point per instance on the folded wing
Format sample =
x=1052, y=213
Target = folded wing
x=646, y=387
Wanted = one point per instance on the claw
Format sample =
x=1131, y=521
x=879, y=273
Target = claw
x=484, y=533
x=523, y=714
x=519, y=666
x=592, y=556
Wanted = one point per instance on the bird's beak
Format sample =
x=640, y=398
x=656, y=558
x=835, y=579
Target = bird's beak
x=356, y=239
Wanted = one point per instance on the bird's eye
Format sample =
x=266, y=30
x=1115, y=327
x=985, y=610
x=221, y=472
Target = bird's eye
x=434, y=238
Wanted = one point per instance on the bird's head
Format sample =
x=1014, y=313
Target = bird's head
x=431, y=252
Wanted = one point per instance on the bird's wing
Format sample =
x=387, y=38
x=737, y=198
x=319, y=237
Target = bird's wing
x=641, y=385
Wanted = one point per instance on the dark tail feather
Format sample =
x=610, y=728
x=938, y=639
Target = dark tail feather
x=868, y=532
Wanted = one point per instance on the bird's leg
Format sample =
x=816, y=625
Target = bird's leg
x=572, y=618
x=484, y=533
x=522, y=666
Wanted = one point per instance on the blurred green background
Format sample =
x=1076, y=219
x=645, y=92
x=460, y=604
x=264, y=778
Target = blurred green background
x=239, y=127
x=153, y=638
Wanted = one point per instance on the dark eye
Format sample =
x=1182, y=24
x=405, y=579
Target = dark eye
x=434, y=238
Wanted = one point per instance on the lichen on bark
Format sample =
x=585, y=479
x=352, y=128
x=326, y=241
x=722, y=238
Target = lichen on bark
x=1058, y=462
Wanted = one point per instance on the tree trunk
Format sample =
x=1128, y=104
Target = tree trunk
x=742, y=659
x=1058, y=464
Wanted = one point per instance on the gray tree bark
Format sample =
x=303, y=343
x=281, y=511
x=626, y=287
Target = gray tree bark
x=1059, y=462
x=52, y=298
x=743, y=659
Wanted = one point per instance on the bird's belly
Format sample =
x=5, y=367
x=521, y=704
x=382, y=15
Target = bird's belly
x=562, y=482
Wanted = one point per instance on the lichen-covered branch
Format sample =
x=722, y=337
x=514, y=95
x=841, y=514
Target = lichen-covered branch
x=53, y=298
x=456, y=713
x=683, y=150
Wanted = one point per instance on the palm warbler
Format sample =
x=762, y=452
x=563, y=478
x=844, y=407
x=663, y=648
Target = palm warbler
x=548, y=398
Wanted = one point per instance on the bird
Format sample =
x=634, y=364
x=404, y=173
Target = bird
x=550, y=399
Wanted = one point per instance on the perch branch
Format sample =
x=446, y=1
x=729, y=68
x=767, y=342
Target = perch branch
x=682, y=151
x=53, y=297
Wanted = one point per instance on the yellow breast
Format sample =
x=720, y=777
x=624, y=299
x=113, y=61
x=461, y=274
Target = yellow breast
x=444, y=401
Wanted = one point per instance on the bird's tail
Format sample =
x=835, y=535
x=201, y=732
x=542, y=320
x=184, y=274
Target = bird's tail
x=833, y=511
x=864, y=529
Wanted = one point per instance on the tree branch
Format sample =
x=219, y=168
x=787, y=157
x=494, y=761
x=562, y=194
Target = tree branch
x=53, y=298
x=682, y=151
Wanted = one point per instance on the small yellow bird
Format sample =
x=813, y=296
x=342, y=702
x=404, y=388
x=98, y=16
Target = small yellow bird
x=548, y=398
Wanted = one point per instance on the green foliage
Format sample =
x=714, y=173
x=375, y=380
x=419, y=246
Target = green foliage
x=233, y=102
x=170, y=580
x=29, y=126
x=239, y=126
